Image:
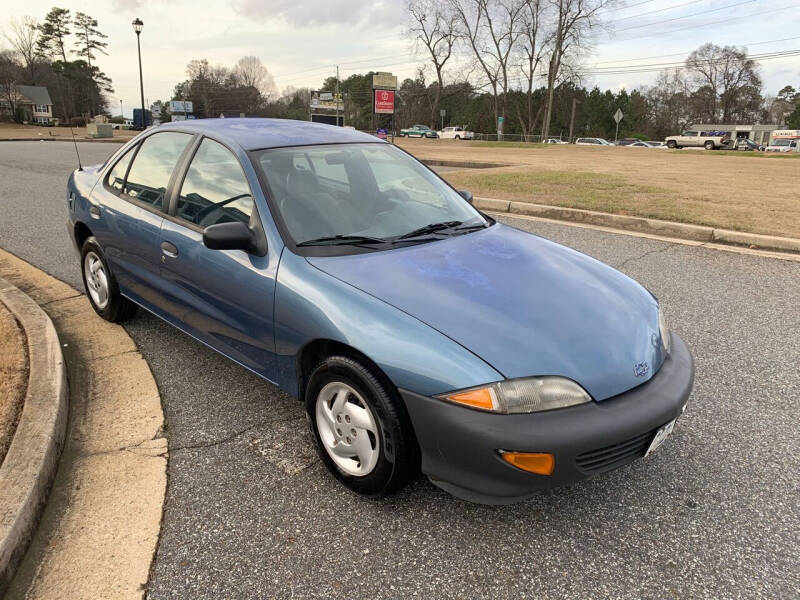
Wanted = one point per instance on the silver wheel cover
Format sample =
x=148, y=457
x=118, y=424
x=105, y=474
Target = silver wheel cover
x=347, y=428
x=96, y=279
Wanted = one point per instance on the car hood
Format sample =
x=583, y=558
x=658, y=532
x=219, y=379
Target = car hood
x=525, y=305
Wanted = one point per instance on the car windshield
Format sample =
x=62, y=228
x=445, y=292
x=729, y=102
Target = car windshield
x=358, y=191
x=780, y=143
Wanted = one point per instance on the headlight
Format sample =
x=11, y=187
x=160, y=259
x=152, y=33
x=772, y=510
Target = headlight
x=525, y=395
x=664, y=330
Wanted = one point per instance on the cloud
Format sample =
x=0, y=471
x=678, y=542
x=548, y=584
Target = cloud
x=322, y=12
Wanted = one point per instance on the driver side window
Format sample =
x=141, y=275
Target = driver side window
x=215, y=189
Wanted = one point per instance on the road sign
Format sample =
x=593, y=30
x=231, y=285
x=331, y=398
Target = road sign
x=442, y=112
x=618, y=116
x=384, y=80
x=384, y=102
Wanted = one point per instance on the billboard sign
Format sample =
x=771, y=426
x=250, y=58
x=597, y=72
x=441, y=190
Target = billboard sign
x=384, y=80
x=326, y=100
x=179, y=106
x=384, y=102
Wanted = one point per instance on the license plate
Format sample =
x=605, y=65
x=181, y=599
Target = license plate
x=662, y=434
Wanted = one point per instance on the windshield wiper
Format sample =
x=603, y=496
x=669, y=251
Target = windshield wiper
x=334, y=240
x=482, y=225
x=430, y=228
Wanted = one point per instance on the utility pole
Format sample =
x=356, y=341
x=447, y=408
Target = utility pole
x=121, y=114
x=337, y=95
x=572, y=118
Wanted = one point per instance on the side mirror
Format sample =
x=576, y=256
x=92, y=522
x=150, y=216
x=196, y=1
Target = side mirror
x=466, y=194
x=230, y=236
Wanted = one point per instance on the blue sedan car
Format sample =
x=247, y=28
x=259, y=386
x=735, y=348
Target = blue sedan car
x=419, y=333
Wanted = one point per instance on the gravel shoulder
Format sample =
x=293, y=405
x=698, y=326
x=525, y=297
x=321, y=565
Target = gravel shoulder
x=13, y=376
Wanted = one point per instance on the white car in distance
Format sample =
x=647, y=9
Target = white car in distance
x=455, y=133
x=592, y=142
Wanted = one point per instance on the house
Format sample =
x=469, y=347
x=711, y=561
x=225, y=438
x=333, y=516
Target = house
x=33, y=101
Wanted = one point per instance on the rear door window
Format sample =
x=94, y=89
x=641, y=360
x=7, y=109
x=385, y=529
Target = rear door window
x=215, y=189
x=116, y=177
x=152, y=168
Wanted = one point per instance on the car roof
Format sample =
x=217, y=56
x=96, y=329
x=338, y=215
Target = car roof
x=255, y=134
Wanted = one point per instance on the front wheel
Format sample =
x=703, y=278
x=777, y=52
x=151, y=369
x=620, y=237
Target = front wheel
x=101, y=287
x=360, y=428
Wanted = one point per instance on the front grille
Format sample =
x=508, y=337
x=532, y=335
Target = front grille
x=611, y=457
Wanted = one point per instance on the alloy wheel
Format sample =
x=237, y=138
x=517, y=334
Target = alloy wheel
x=96, y=279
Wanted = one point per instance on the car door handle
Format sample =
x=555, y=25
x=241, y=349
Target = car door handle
x=94, y=211
x=169, y=249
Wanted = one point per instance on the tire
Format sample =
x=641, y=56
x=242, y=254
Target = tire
x=101, y=286
x=672, y=144
x=386, y=457
x=458, y=137
x=709, y=145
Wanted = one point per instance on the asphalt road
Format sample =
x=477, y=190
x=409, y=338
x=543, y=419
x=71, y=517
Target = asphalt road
x=250, y=512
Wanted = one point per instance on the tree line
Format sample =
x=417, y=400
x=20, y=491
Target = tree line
x=60, y=53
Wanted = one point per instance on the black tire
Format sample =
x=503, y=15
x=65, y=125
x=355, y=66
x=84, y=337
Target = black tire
x=709, y=145
x=398, y=461
x=458, y=137
x=672, y=144
x=117, y=308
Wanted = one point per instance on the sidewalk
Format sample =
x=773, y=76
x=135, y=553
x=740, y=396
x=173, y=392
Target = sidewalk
x=99, y=532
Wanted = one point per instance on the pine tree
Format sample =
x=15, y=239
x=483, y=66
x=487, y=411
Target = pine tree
x=90, y=40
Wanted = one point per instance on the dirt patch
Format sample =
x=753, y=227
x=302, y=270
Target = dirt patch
x=12, y=131
x=735, y=192
x=13, y=376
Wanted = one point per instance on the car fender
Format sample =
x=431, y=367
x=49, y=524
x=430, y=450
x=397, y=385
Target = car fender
x=312, y=305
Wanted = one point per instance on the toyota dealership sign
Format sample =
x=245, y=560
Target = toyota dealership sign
x=384, y=102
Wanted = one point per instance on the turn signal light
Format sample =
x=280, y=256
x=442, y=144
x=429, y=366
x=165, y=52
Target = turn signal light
x=480, y=398
x=540, y=463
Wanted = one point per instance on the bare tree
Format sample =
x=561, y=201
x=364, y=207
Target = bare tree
x=434, y=26
x=535, y=40
x=251, y=72
x=728, y=80
x=23, y=34
x=574, y=21
x=10, y=72
x=490, y=28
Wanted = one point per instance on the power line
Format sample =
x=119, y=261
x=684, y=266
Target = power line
x=652, y=12
x=697, y=14
x=681, y=29
x=686, y=52
x=655, y=69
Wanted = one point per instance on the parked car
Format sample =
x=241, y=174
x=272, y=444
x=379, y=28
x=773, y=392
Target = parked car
x=555, y=141
x=420, y=131
x=625, y=142
x=744, y=144
x=418, y=332
x=592, y=142
x=710, y=140
x=654, y=144
x=455, y=133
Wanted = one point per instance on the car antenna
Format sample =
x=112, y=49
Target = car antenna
x=80, y=168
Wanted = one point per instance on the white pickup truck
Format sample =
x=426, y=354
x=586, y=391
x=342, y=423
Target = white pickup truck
x=710, y=140
x=455, y=133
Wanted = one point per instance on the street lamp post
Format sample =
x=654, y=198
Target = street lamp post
x=137, y=27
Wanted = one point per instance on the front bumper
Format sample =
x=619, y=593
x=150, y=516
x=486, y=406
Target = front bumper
x=460, y=446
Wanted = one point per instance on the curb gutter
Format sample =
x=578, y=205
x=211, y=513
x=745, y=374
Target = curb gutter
x=30, y=464
x=698, y=233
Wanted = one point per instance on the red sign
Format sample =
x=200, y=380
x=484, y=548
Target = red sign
x=384, y=102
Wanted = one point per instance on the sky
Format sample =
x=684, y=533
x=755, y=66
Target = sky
x=300, y=42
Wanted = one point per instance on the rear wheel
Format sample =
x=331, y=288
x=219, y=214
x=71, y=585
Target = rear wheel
x=672, y=144
x=360, y=428
x=709, y=145
x=101, y=287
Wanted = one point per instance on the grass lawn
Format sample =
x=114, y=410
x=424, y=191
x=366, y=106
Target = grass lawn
x=602, y=192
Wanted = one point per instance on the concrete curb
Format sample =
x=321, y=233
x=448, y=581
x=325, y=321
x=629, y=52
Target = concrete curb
x=30, y=464
x=698, y=233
